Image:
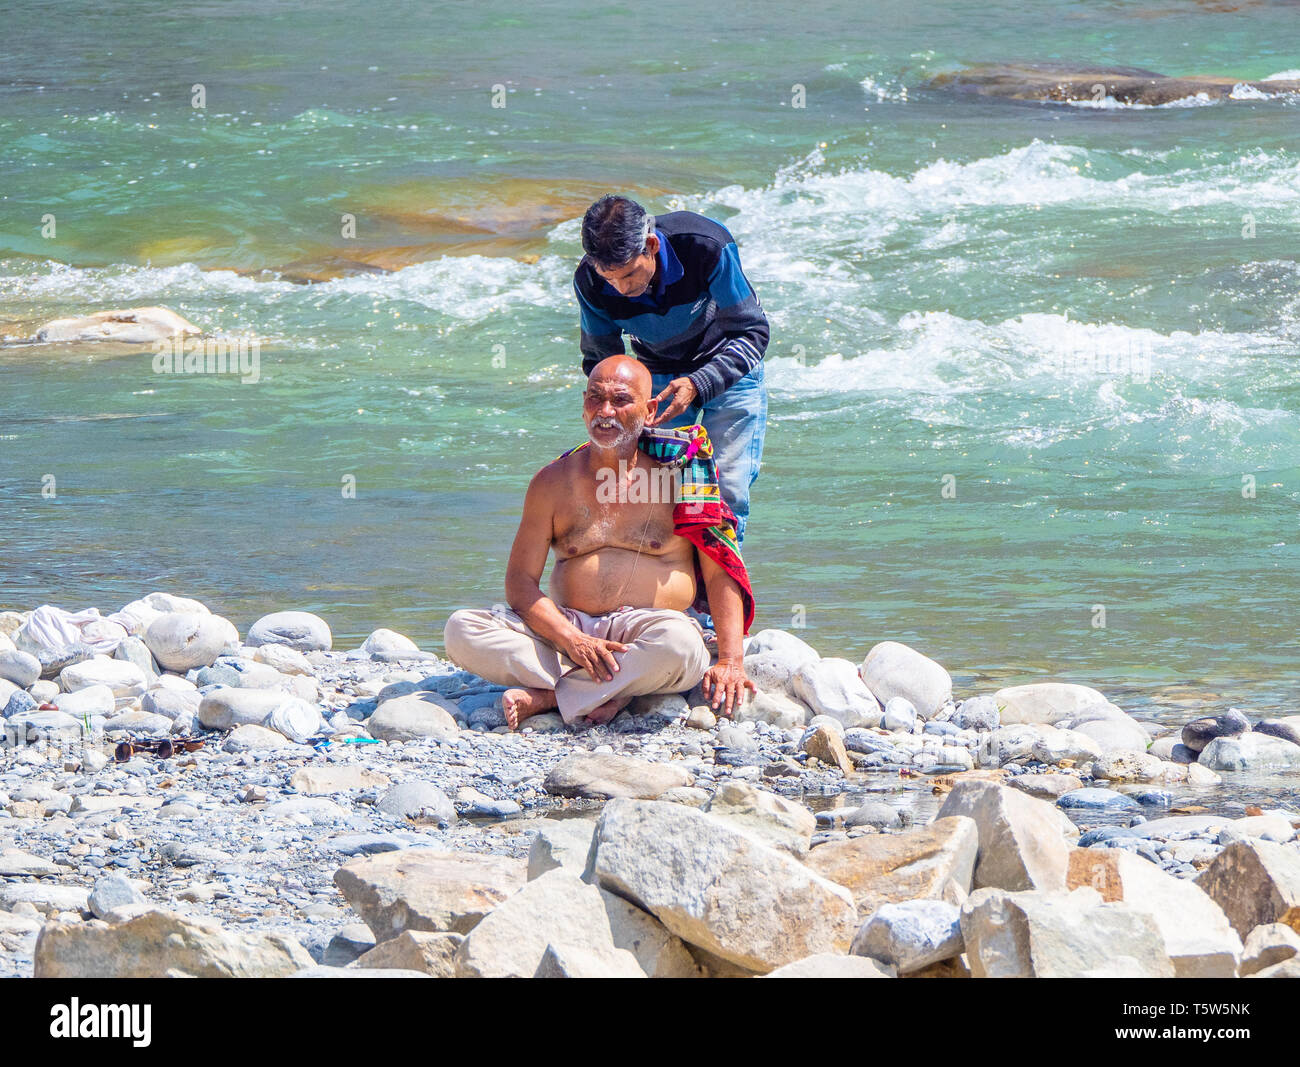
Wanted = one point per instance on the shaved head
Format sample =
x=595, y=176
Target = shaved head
x=616, y=403
x=625, y=370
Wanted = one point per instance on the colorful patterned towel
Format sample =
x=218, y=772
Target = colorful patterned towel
x=700, y=514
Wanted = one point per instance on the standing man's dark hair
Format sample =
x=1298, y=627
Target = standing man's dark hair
x=614, y=230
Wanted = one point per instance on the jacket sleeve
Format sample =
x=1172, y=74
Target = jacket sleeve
x=741, y=318
x=600, y=335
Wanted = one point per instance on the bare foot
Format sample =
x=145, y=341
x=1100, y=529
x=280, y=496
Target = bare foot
x=521, y=704
x=606, y=711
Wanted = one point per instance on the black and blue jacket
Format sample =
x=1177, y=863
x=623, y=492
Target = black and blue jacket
x=699, y=319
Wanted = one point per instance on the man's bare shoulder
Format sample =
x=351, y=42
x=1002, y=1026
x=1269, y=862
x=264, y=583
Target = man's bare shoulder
x=556, y=476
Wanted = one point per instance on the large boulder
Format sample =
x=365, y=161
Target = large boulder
x=557, y=910
x=1044, y=702
x=159, y=944
x=781, y=823
x=1255, y=882
x=422, y=889
x=1198, y=938
x=717, y=886
x=605, y=775
x=1024, y=843
x=300, y=630
x=181, y=641
x=933, y=862
x=414, y=716
x=832, y=687
x=1059, y=935
x=893, y=670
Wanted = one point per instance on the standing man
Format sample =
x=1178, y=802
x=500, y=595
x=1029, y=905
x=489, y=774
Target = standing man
x=673, y=283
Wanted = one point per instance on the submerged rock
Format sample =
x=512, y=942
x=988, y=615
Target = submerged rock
x=137, y=326
x=1060, y=83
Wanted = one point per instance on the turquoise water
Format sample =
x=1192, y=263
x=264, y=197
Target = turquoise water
x=1050, y=309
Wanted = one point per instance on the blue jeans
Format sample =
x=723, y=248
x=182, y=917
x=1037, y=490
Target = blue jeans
x=737, y=422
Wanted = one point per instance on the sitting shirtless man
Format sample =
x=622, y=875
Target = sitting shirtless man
x=614, y=626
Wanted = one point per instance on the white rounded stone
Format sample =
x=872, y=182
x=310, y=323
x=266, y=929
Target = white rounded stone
x=297, y=629
x=388, y=641
x=20, y=668
x=832, y=687
x=93, y=700
x=123, y=677
x=284, y=659
x=224, y=708
x=181, y=641
x=893, y=670
x=296, y=719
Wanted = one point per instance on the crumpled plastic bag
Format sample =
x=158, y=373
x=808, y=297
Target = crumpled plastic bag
x=51, y=629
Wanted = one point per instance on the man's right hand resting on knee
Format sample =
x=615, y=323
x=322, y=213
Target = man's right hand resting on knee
x=614, y=625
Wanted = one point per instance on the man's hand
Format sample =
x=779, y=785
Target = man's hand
x=679, y=393
x=724, y=684
x=594, y=654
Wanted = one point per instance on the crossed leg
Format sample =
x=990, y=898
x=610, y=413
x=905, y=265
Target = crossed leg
x=666, y=654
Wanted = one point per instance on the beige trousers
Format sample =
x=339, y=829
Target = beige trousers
x=666, y=654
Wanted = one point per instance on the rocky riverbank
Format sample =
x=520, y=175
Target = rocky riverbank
x=369, y=810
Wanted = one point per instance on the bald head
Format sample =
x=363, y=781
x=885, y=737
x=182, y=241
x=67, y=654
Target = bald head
x=623, y=370
x=616, y=403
